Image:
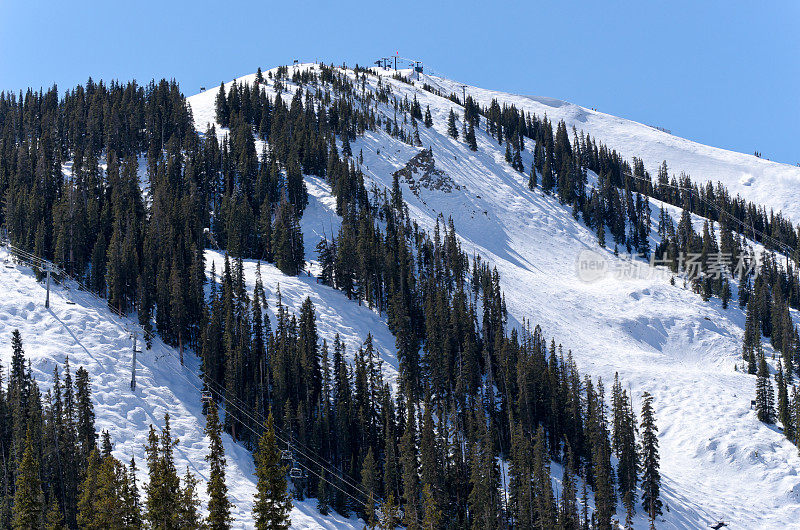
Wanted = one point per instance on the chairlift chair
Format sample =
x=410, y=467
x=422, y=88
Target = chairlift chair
x=296, y=472
x=286, y=454
x=205, y=397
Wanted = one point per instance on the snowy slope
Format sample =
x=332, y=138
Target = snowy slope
x=94, y=338
x=772, y=184
x=718, y=461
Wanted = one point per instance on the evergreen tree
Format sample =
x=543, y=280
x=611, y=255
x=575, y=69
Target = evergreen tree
x=163, y=489
x=189, y=515
x=408, y=458
x=54, y=520
x=726, y=294
x=390, y=519
x=219, y=506
x=765, y=398
x=624, y=440
x=432, y=516
x=651, y=475
x=223, y=112
x=452, y=130
x=132, y=501
x=471, y=140
x=272, y=503
x=103, y=492
x=287, y=240
x=87, y=437
x=28, y=512
x=783, y=402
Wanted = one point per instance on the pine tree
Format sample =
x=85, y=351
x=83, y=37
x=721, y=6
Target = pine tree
x=189, y=515
x=287, y=240
x=272, y=503
x=28, y=511
x=784, y=412
x=54, y=520
x=533, y=179
x=452, y=130
x=765, y=398
x=471, y=140
x=103, y=494
x=726, y=294
x=432, y=516
x=482, y=499
x=389, y=514
x=408, y=458
x=624, y=440
x=543, y=492
x=651, y=475
x=163, y=490
x=219, y=506
x=520, y=475
x=132, y=501
x=369, y=480
x=370, y=515
x=568, y=513
x=428, y=119
x=795, y=417
x=88, y=512
x=87, y=437
x=223, y=112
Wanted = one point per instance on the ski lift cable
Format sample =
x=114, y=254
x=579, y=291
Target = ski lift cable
x=712, y=205
x=227, y=411
x=288, y=439
x=307, y=453
x=38, y=262
x=322, y=463
x=26, y=256
x=280, y=439
x=281, y=436
x=299, y=447
x=718, y=209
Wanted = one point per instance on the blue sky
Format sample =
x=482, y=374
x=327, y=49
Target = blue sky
x=722, y=73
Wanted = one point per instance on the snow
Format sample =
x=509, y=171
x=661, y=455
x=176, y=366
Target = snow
x=94, y=338
x=335, y=313
x=762, y=181
x=660, y=338
x=718, y=460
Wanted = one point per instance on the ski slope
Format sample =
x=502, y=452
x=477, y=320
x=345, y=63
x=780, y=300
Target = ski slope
x=718, y=461
x=660, y=338
x=762, y=181
x=93, y=337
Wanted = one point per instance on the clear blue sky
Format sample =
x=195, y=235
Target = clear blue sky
x=723, y=73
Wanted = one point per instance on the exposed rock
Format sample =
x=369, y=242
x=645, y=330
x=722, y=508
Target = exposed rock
x=421, y=172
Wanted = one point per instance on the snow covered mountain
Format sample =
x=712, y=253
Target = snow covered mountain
x=660, y=338
x=718, y=461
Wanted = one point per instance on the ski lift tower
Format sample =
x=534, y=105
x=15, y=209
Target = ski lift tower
x=48, y=268
x=134, y=336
